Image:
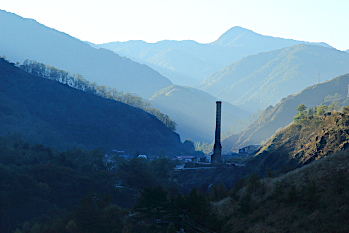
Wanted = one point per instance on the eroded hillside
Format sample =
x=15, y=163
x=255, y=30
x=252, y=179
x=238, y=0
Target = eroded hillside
x=304, y=141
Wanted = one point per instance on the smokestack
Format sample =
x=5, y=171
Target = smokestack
x=216, y=158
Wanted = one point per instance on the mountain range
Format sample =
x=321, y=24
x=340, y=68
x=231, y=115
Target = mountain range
x=194, y=112
x=282, y=114
x=23, y=39
x=253, y=82
x=51, y=113
x=189, y=62
x=263, y=79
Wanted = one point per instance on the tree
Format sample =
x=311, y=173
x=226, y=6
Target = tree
x=321, y=110
x=136, y=173
x=334, y=106
x=301, y=112
x=152, y=203
x=345, y=110
x=301, y=108
x=218, y=192
x=199, y=210
x=161, y=169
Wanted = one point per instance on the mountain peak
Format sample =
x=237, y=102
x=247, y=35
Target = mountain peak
x=232, y=35
x=237, y=29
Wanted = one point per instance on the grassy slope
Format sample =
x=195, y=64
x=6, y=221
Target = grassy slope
x=305, y=141
x=310, y=199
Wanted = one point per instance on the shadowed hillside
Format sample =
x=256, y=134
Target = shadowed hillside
x=48, y=112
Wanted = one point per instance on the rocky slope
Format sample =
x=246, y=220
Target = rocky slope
x=304, y=141
x=309, y=199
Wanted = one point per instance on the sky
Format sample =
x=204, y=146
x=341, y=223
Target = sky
x=204, y=21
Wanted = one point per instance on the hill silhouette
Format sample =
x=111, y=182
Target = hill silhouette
x=188, y=62
x=51, y=113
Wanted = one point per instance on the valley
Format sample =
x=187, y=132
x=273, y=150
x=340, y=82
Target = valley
x=246, y=133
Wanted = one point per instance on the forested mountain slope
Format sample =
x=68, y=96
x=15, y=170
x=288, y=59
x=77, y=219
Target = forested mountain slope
x=51, y=113
x=278, y=117
x=260, y=80
x=27, y=39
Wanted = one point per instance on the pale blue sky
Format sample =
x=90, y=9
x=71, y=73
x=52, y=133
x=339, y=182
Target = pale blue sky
x=200, y=20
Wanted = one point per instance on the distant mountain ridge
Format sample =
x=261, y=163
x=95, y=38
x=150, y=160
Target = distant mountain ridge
x=194, y=112
x=278, y=117
x=260, y=80
x=50, y=113
x=188, y=62
x=242, y=37
x=27, y=39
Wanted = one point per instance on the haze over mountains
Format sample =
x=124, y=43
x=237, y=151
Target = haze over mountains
x=194, y=112
x=189, y=62
x=260, y=80
x=278, y=117
x=27, y=39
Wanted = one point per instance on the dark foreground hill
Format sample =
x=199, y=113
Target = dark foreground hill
x=281, y=115
x=310, y=198
x=51, y=113
x=313, y=198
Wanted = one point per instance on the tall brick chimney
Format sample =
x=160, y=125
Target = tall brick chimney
x=216, y=158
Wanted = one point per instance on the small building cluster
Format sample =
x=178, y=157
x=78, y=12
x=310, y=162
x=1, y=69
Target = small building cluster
x=248, y=150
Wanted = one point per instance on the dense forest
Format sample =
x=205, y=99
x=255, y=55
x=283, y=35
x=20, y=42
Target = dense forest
x=77, y=191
